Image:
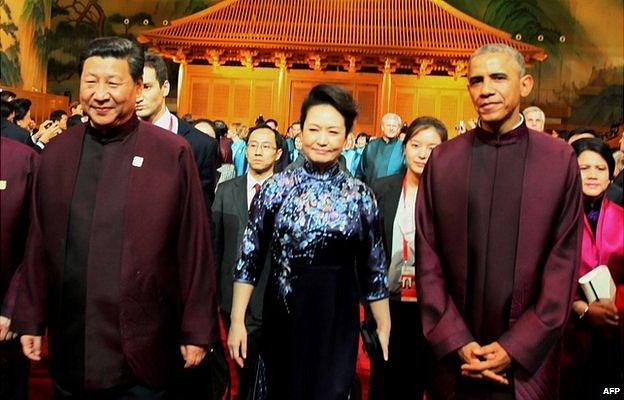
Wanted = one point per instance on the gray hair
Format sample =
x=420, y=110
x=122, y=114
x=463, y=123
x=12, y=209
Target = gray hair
x=532, y=109
x=390, y=116
x=501, y=48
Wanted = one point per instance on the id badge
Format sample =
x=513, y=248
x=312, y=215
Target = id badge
x=408, y=283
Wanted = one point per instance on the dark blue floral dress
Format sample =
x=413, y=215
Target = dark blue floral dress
x=326, y=254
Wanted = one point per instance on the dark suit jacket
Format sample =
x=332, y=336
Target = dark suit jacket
x=17, y=133
x=205, y=150
x=167, y=282
x=388, y=192
x=230, y=216
x=547, y=257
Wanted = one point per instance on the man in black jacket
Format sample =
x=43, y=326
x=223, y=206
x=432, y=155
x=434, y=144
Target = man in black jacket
x=9, y=129
x=151, y=107
x=230, y=211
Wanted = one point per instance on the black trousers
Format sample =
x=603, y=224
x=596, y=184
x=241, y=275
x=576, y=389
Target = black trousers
x=408, y=370
x=14, y=369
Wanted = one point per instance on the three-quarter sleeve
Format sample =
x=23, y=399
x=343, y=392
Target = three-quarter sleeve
x=371, y=260
x=257, y=236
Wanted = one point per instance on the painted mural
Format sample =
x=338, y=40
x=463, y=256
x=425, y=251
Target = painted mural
x=580, y=83
x=71, y=25
x=24, y=27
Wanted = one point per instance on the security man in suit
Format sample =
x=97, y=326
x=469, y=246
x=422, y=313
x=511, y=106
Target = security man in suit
x=230, y=214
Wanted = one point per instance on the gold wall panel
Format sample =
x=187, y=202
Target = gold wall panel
x=239, y=94
x=442, y=97
x=233, y=94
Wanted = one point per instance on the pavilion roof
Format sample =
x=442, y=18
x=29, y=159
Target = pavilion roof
x=396, y=29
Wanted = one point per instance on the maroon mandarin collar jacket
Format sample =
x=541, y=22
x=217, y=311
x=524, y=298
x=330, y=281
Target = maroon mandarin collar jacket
x=167, y=285
x=547, y=257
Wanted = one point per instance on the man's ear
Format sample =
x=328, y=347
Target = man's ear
x=165, y=88
x=526, y=85
x=278, y=154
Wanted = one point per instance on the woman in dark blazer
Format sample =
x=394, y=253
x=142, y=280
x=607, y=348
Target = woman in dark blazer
x=406, y=372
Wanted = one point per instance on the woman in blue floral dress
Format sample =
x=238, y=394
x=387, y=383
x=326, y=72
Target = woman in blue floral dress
x=321, y=232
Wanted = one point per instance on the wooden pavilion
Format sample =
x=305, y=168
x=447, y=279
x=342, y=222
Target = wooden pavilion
x=241, y=58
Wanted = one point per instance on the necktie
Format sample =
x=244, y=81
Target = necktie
x=257, y=190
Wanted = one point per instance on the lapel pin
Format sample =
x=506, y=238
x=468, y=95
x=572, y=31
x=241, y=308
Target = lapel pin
x=3, y=184
x=137, y=161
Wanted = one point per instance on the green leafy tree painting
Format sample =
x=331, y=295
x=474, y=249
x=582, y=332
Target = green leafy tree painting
x=10, y=56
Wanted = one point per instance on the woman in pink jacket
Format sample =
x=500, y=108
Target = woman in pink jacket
x=593, y=342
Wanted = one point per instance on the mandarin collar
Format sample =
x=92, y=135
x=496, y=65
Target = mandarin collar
x=116, y=133
x=311, y=169
x=507, y=138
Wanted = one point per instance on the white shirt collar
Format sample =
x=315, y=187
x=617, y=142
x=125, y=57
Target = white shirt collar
x=251, y=191
x=251, y=181
x=167, y=121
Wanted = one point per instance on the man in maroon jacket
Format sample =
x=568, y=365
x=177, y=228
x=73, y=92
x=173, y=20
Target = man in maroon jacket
x=119, y=265
x=18, y=169
x=497, y=244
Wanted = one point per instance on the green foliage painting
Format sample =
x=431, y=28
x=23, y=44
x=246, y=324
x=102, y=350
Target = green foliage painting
x=77, y=22
x=9, y=57
x=34, y=11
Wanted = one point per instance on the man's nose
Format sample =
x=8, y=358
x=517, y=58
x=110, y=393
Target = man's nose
x=487, y=88
x=101, y=92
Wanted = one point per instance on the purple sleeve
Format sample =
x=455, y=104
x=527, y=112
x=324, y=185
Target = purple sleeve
x=443, y=326
x=195, y=261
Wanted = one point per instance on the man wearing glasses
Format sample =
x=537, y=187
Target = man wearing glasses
x=230, y=210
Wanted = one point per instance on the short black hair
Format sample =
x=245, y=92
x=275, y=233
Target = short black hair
x=56, y=115
x=6, y=108
x=155, y=61
x=422, y=123
x=362, y=134
x=279, y=141
x=336, y=97
x=21, y=106
x=74, y=120
x=116, y=47
x=271, y=120
x=598, y=146
x=220, y=127
x=7, y=95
